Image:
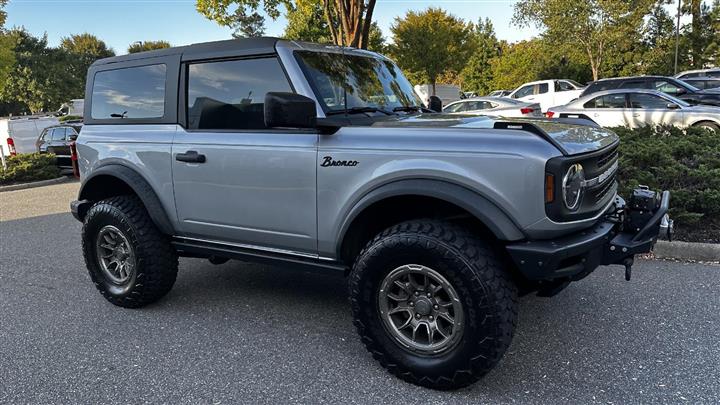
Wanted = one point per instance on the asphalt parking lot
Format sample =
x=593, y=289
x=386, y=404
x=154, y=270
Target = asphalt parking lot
x=239, y=333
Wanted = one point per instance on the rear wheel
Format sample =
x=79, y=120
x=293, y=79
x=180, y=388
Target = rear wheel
x=433, y=304
x=131, y=263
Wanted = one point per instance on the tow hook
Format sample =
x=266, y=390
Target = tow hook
x=628, y=268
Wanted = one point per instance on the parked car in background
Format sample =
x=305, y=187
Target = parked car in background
x=18, y=134
x=548, y=93
x=499, y=93
x=668, y=85
x=712, y=72
x=637, y=108
x=504, y=107
x=446, y=92
x=703, y=82
x=57, y=140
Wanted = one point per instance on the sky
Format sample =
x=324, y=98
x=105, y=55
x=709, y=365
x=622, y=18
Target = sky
x=121, y=22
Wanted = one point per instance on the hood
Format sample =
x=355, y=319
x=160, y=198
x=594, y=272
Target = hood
x=570, y=137
x=702, y=108
x=714, y=91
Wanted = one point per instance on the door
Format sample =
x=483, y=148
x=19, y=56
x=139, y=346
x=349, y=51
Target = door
x=649, y=109
x=234, y=179
x=607, y=110
x=58, y=144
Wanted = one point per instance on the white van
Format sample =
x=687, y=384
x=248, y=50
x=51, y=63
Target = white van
x=18, y=134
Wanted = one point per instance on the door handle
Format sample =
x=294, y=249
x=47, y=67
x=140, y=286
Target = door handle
x=636, y=114
x=190, y=156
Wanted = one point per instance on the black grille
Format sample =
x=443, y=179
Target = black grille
x=597, y=195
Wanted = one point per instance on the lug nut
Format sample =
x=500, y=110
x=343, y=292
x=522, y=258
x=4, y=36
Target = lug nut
x=428, y=295
x=417, y=316
x=417, y=293
x=436, y=306
x=431, y=317
x=412, y=304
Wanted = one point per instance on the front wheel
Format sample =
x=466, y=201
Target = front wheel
x=708, y=125
x=433, y=304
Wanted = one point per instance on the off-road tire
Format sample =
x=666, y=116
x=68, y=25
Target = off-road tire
x=156, y=261
x=488, y=296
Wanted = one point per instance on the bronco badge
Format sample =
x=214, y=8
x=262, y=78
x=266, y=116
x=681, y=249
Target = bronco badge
x=328, y=161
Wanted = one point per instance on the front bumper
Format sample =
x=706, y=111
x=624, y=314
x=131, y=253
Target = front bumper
x=574, y=256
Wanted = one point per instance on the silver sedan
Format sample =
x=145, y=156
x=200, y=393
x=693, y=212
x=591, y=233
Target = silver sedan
x=500, y=106
x=636, y=108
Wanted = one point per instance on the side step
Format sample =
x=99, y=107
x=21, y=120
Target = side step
x=188, y=247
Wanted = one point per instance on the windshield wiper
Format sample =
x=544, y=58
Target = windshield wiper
x=359, y=110
x=412, y=108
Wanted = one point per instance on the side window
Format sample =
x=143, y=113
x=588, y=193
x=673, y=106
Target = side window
x=44, y=136
x=607, y=101
x=647, y=101
x=524, y=91
x=666, y=87
x=633, y=84
x=563, y=86
x=457, y=107
x=713, y=73
x=135, y=92
x=231, y=94
x=474, y=105
x=542, y=88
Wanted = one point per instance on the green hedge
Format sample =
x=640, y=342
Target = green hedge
x=686, y=162
x=29, y=167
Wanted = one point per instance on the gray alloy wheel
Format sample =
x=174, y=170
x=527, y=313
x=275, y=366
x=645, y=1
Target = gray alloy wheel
x=420, y=309
x=115, y=255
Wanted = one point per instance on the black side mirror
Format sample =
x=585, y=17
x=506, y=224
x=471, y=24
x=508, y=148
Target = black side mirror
x=72, y=137
x=435, y=104
x=289, y=110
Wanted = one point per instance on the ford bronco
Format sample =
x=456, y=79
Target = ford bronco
x=320, y=156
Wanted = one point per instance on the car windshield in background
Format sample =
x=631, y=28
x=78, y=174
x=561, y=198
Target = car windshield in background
x=687, y=85
x=345, y=82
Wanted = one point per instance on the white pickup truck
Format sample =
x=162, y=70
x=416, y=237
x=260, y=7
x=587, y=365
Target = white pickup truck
x=548, y=93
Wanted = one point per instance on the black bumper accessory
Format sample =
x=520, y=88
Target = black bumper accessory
x=627, y=230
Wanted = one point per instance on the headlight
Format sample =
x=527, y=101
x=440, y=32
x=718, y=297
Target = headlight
x=572, y=186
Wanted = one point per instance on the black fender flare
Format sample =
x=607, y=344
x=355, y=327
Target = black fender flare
x=138, y=184
x=497, y=221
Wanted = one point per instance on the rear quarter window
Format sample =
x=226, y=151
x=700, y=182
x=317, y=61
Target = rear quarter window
x=127, y=93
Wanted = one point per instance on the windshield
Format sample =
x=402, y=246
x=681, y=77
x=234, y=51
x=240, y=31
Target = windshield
x=574, y=83
x=342, y=82
x=687, y=85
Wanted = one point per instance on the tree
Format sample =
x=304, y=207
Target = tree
x=658, y=42
x=39, y=80
x=430, y=43
x=3, y=14
x=349, y=21
x=306, y=22
x=84, y=49
x=477, y=74
x=592, y=25
x=142, y=46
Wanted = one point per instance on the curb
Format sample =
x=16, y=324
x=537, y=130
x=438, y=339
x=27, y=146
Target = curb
x=23, y=186
x=709, y=252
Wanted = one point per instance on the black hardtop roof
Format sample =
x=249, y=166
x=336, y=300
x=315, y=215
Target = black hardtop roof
x=259, y=45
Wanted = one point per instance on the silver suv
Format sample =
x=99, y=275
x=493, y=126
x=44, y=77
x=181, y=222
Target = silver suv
x=318, y=156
